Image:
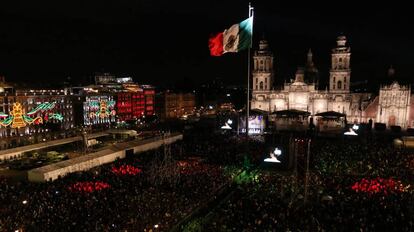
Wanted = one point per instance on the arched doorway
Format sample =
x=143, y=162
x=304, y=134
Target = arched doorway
x=391, y=120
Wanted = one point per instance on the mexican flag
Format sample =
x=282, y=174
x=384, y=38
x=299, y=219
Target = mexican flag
x=238, y=37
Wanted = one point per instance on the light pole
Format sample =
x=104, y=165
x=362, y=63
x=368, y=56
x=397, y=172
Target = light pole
x=84, y=140
x=307, y=172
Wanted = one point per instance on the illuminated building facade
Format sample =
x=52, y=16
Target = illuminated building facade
x=135, y=104
x=35, y=111
x=175, y=105
x=98, y=109
x=149, y=95
x=130, y=100
x=124, y=105
x=4, y=87
x=392, y=106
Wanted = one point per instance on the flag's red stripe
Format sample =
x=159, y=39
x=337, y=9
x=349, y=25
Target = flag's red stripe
x=215, y=43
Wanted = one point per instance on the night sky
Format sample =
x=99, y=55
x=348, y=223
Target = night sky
x=162, y=42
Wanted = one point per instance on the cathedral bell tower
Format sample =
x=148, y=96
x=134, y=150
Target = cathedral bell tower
x=263, y=68
x=340, y=73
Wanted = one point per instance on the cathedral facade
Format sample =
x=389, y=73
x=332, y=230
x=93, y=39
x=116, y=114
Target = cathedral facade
x=393, y=105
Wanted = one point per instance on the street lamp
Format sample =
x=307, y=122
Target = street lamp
x=307, y=172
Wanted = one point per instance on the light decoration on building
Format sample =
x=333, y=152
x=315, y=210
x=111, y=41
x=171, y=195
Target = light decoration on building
x=18, y=118
x=58, y=117
x=99, y=110
x=104, y=109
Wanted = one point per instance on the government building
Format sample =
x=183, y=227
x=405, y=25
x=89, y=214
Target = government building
x=393, y=105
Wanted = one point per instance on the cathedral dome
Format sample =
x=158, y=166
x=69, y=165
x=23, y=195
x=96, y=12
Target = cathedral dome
x=299, y=77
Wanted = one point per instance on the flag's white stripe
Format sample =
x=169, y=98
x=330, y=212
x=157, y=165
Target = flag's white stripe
x=231, y=39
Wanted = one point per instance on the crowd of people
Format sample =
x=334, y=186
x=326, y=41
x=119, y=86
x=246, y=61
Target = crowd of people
x=277, y=202
x=104, y=199
x=122, y=196
x=355, y=157
x=225, y=150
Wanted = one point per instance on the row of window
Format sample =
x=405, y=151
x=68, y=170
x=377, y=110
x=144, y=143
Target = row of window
x=339, y=85
x=261, y=66
x=259, y=86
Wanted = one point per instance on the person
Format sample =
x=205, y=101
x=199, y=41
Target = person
x=311, y=128
x=370, y=124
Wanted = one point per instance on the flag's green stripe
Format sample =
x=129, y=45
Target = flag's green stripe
x=246, y=32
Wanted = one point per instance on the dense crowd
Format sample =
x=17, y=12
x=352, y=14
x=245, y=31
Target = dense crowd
x=359, y=158
x=104, y=199
x=355, y=185
x=225, y=150
x=276, y=202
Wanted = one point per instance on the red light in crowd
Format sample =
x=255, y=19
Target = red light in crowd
x=378, y=185
x=88, y=186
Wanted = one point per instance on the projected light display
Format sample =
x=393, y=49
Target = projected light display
x=227, y=125
x=104, y=109
x=18, y=118
x=99, y=109
x=256, y=124
x=355, y=127
x=273, y=156
x=351, y=132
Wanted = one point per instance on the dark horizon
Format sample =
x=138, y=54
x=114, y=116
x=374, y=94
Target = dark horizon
x=167, y=42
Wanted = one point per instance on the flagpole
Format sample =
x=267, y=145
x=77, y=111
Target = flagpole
x=248, y=74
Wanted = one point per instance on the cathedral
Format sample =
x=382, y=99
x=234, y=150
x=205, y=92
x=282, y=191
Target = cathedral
x=393, y=106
